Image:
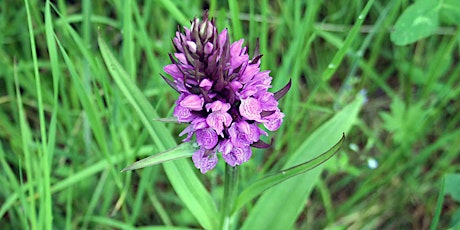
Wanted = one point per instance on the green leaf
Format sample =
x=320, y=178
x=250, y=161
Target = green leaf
x=183, y=150
x=279, y=207
x=179, y=172
x=265, y=183
x=449, y=186
x=418, y=21
x=452, y=186
x=450, y=12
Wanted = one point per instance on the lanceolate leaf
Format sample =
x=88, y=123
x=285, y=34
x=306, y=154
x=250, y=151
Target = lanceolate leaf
x=183, y=150
x=280, y=206
x=265, y=183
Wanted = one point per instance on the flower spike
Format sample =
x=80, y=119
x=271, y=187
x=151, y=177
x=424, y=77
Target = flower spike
x=223, y=94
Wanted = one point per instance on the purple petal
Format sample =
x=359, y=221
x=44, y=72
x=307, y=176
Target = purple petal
x=208, y=47
x=249, y=73
x=238, y=61
x=235, y=48
x=192, y=102
x=191, y=46
x=189, y=131
x=223, y=37
x=204, y=160
x=217, y=121
x=249, y=90
x=225, y=146
x=255, y=133
x=237, y=156
x=183, y=114
x=207, y=138
x=181, y=57
x=217, y=106
x=240, y=134
x=206, y=84
x=235, y=85
x=199, y=123
x=250, y=109
x=268, y=101
x=173, y=71
x=273, y=122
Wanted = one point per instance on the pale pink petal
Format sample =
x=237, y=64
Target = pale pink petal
x=250, y=109
x=192, y=102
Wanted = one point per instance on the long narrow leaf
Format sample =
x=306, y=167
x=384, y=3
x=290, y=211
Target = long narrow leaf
x=280, y=206
x=183, y=179
x=265, y=183
x=181, y=151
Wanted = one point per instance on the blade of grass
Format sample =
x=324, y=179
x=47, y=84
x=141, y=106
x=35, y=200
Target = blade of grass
x=236, y=30
x=91, y=112
x=174, y=11
x=26, y=138
x=338, y=57
x=437, y=212
x=45, y=201
x=279, y=207
x=183, y=179
x=128, y=38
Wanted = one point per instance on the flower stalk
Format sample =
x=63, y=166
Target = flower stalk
x=230, y=192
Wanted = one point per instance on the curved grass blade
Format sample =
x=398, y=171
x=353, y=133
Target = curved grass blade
x=263, y=184
x=183, y=150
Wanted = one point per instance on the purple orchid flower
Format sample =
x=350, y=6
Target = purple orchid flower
x=223, y=94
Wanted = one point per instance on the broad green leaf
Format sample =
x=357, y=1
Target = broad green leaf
x=265, y=183
x=418, y=21
x=183, y=150
x=450, y=12
x=279, y=207
x=179, y=172
x=452, y=186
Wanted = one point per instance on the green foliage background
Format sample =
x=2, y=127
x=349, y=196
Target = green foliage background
x=67, y=127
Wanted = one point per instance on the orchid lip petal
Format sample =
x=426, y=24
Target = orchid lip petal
x=192, y=102
x=250, y=109
x=207, y=138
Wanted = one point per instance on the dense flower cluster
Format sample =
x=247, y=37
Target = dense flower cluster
x=223, y=95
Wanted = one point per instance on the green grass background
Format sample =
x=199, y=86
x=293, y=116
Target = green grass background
x=66, y=129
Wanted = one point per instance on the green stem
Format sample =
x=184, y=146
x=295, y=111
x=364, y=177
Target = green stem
x=230, y=191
